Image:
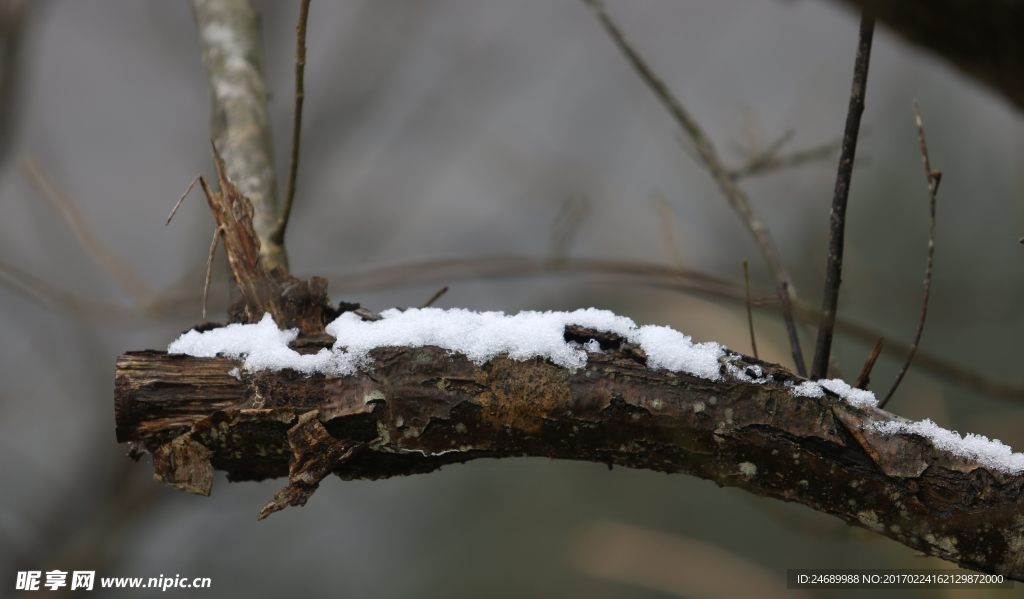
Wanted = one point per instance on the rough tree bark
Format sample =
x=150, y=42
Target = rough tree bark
x=418, y=409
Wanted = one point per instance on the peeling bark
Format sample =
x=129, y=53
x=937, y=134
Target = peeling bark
x=423, y=408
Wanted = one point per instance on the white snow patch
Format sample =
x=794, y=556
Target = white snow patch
x=858, y=397
x=806, y=389
x=479, y=335
x=262, y=346
x=989, y=453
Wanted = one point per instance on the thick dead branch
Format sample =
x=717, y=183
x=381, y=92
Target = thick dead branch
x=229, y=35
x=422, y=408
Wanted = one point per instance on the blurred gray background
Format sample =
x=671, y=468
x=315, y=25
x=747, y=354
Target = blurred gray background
x=457, y=129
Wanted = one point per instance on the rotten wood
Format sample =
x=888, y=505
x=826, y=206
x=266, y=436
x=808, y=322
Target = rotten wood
x=292, y=302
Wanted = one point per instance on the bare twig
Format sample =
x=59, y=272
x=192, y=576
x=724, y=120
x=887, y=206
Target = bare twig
x=708, y=156
x=933, y=178
x=181, y=199
x=833, y=277
x=106, y=258
x=766, y=163
x=754, y=155
x=865, y=373
x=434, y=298
x=41, y=291
x=750, y=313
x=229, y=36
x=209, y=265
x=300, y=94
x=794, y=339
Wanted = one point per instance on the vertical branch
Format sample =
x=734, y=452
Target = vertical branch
x=300, y=95
x=933, y=178
x=833, y=276
x=229, y=36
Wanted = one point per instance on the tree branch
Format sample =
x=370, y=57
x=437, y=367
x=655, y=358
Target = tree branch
x=837, y=219
x=418, y=409
x=933, y=178
x=229, y=35
x=300, y=95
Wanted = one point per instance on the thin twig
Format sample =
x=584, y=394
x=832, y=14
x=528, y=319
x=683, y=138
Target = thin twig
x=833, y=273
x=794, y=339
x=41, y=291
x=300, y=95
x=933, y=178
x=754, y=155
x=767, y=163
x=865, y=373
x=434, y=298
x=733, y=194
x=91, y=242
x=750, y=312
x=209, y=266
x=181, y=199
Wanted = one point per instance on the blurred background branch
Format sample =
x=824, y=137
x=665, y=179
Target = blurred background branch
x=983, y=38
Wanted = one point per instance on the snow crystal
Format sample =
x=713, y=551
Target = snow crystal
x=989, y=453
x=806, y=389
x=479, y=335
x=858, y=397
x=669, y=349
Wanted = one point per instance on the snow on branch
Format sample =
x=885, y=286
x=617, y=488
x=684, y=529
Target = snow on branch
x=424, y=388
